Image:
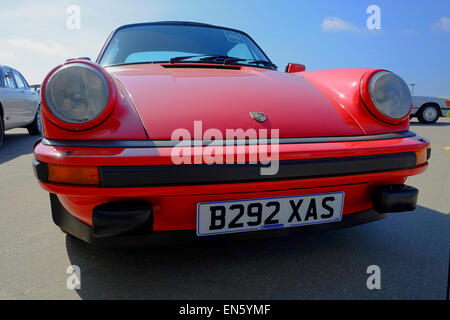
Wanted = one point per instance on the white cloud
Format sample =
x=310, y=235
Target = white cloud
x=337, y=24
x=49, y=49
x=443, y=24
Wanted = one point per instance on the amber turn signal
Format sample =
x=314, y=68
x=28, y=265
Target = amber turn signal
x=73, y=174
x=422, y=156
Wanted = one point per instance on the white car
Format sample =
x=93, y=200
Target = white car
x=429, y=109
x=19, y=104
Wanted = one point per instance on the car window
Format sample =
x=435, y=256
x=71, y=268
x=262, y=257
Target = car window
x=242, y=51
x=19, y=81
x=27, y=86
x=8, y=80
x=155, y=56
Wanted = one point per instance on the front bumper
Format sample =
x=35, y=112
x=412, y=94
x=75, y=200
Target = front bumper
x=144, y=174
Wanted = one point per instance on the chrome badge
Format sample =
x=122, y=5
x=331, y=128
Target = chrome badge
x=258, y=116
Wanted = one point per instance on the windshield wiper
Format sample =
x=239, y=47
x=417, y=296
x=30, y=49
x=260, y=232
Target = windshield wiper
x=179, y=59
x=223, y=60
x=264, y=63
x=207, y=58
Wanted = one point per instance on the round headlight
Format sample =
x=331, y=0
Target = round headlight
x=76, y=93
x=390, y=95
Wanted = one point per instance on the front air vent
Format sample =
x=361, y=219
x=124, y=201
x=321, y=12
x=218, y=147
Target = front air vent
x=200, y=66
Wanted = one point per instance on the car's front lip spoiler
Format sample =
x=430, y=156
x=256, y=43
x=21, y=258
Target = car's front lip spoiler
x=176, y=175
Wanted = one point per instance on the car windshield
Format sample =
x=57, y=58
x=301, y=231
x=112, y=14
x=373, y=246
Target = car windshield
x=157, y=43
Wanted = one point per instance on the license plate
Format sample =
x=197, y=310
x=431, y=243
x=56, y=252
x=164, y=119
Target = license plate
x=268, y=213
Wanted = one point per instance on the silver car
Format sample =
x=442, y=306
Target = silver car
x=429, y=109
x=19, y=104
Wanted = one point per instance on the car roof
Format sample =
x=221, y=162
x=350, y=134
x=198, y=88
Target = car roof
x=180, y=23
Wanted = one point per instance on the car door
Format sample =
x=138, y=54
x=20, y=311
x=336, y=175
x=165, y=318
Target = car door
x=22, y=110
x=30, y=96
x=10, y=99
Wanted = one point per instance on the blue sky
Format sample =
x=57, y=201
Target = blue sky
x=414, y=39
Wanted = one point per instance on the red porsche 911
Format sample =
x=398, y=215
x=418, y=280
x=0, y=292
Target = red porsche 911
x=184, y=130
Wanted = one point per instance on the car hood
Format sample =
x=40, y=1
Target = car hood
x=174, y=97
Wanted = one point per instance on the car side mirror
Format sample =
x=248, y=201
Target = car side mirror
x=295, y=67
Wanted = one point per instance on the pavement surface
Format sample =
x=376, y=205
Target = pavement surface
x=411, y=249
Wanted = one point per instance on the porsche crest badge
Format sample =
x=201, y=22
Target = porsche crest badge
x=258, y=116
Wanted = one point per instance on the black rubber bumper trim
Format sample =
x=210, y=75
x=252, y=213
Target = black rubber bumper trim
x=173, y=143
x=122, y=218
x=169, y=175
x=394, y=198
x=79, y=229
x=40, y=170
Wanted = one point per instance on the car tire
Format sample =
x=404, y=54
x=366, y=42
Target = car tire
x=35, y=128
x=428, y=114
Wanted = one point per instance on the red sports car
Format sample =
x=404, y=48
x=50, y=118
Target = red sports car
x=185, y=130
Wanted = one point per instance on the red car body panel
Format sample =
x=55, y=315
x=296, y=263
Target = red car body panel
x=220, y=98
x=123, y=123
x=342, y=86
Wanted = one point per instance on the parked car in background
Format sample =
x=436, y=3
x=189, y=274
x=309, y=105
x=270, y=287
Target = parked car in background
x=19, y=103
x=429, y=109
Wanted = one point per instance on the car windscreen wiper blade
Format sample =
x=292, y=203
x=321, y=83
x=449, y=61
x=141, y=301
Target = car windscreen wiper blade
x=222, y=59
x=179, y=59
x=264, y=63
x=207, y=58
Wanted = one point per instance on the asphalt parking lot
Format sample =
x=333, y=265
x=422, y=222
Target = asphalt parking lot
x=411, y=249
